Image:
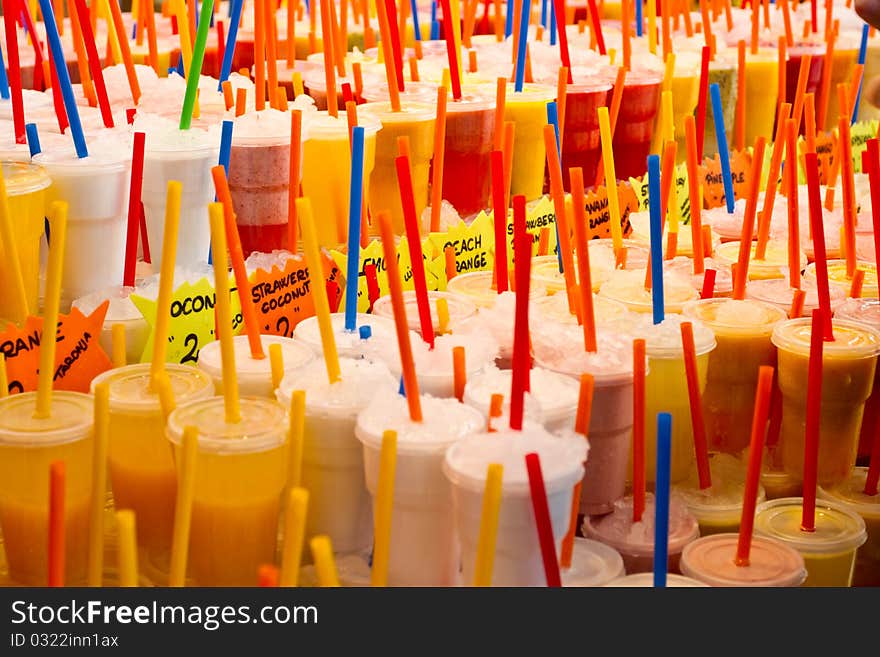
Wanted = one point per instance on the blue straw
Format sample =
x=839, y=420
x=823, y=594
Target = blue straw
x=33, y=138
x=553, y=119
x=234, y=19
x=4, y=83
x=723, y=152
x=225, y=145
x=79, y=139
x=365, y=332
x=656, y=237
x=435, y=26
x=134, y=29
x=544, y=14
x=552, y=24
x=179, y=70
x=521, y=50
x=355, y=201
x=417, y=29
x=661, y=499
x=863, y=52
x=508, y=21
x=401, y=390
x=639, y=17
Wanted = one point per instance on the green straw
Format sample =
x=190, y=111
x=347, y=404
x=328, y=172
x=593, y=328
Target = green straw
x=195, y=65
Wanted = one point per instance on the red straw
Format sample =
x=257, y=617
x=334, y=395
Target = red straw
x=413, y=241
x=14, y=67
x=745, y=244
x=814, y=15
x=396, y=51
x=499, y=219
x=38, y=50
x=820, y=257
x=294, y=176
x=693, y=170
x=872, y=156
x=522, y=270
x=372, y=284
x=451, y=51
x=693, y=383
x=542, y=513
x=57, y=100
x=753, y=471
x=708, y=290
x=134, y=208
x=701, y=102
x=638, y=444
x=814, y=410
x=82, y=14
x=739, y=124
x=459, y=372
x=56, y=523
x=559, y=7
x=595, y=26
x=585, y=284
x=790, y=172
x=267, y=575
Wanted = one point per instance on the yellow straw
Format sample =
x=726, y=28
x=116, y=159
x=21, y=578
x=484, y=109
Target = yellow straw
x=162, y=385
x=4, y=379
x=11, y=252
x=652, y=28
x=179, y=10
x=166, y=277
x=485, y=560
x=319, y=292
x=442, y=314
x=50, y=312
x=224, y=313
x=186, y=483
x=128, y=561
x=117, y=342
x=668, y=125
x=382, y=510
x=610, y=179
x=276, y=362
x=325, y=565
x=99, y=485
x=297, y=79
x=295, y=438
x=115, y=50
x=672, y=210
x=294, y=536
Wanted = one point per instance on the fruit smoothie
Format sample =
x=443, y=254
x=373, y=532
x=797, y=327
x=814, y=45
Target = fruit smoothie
x=628, y=288
x=555, y=309
x=528, y=110
x=423, y=549
x=333, y=458
x=837, y=275
x=470, y=126
x=712, y=559
x=774, y=264
x=829, y=552
x=415, y=121
x=581, y=145
x=685, y=94
x=350, y=344
x=240, y=473
x=639, y=107
x=762, y=83
x=141, y=465
x=478, y=287
x=851, y=494
x=848, y=367
x=518, y=560
x=641, y=233
x=683, y=266
x=327, y=172
x=28, y=446
x=545, y=269
x=742, y=330
x=792, y=70
x=460, y=310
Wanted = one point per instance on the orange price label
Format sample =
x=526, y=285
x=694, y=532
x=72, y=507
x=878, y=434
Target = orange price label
x=713, y=182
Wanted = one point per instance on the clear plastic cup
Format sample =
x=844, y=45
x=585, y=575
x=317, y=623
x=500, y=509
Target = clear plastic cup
x=628, y=288
x=460, y=309
x=470, y=126
x=712, y=559
x=28, y=446
x=333, y=458
x=778, y=291
x=830, y=551
x=592, y=564
x=478, y=288
x=837, y=275
x=240, y=472
x=423, y=550
x=555, y=309
x=518, y=560
x=528, y=110
x=254, y=376
x=350, y=344
x=773, y=265
x=581, y=145
x=120, y=311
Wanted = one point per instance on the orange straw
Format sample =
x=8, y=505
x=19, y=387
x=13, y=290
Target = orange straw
x=786, y=20
x=561, y=93
x=119, y=26
x=437, y=165
x=390, y=72
x=271, y=50
x=772, y=178
x=745, y=245
x=496, y=408
x=329, y=71
x=797, y=304
x=410, y=383
x=855, y=289
x=339, y=46
x=449, y=255
x=825, y=88
x=567, y=550
x=584, y=281
x=616, y=96
x=790, y=174
x=803, y=75
x=57, y=546
x=292, y=6
x=849, y=193
x=585, y=404
x=240, y=101
x=557, y=193
x=740, y=119
x=459, y=373
x=781, y=79
x=638, y=444
x=696, y=201
x=228, y=98
x=701, y=447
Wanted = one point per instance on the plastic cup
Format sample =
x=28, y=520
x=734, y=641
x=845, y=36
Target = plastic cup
x=792, y=70
x=592, y=564
x=711, y=559
x=254, y=376
x=851, y=495
x=259, y=178
x=778, y=292
x=326, y=176
x=460, y=309
x=423, y=550
x=722, y=71
x=628, y=287
x=830, y=551
x=333, y=458
x=528, y=110
x=848, y=367
x=742, y=331
x=96, y=190
x=518, y=559
x=685, y=87
x=646, y=580
x=142, y=473
x=350, y=344
x=545, y=269
x=470, y=126
x=478, y=288
x=635, y=541
x=28, y=447
x=635, y=123
x=581, y=144
x=186, y=156
x=352, y=570
x=241, y=471
x=120, y=311
x=837, y=275
x=26, y=186
x=416, y=122
x=683, y=267
x=774, y=264
x=555, y=309
x=762, y=83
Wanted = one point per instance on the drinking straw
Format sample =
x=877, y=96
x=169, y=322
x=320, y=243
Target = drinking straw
x=652, y=27
x=4, y=378
x=616, y=96
x=665, y=29
x=459, y=372
x=863, y=51
x=228, y=53
x=797, y=303
x=811, y=439
x=57, y=100
x=295, y=437
x=661, y=499
x=694, y=192
x=411, y=384
x=384, y=505
x=499, y=217
x=748, y=225
x=394, y=43
x=564, y=56
x=183, y=503
x=319, y=292
x=656, y=255
x=825, y=84
x=294, y=535
x=561, y=95
x=542, y=519
x=701, y=447
x=7, y=238
x=858, y=279
x=449, y=257
x=557, y=193
x=451, y=52
x=293, y=179
x=240, y=101
x=611, y=178
x=134, y=208
x=801, y=89
x=772, y=182
x=329, y=56
x=596, y=26
x=855, y=88
x=414, y=66
x=198, y=56
x=82, y=61
x=437, y=166
x=790, y=174
x=276, y=364
x=626, y=39
x=485, y=557
x=500, y=101
x=496, y=405
x=322, y=554
x=14, y=72
x=521, y=364
x=708, y=289
x=443, y=313
x=849, y=192
x=638, y=439
x=152, y=45
x=723, y=152
x=95, y=567
x=57, y=479
x=786, y=20
x=820, y=257
x=588, y=318
x=585, y=404
x=739, y=123
x=271, y=48
x=519, y=77
x=125, y=51
x=507, y=148
x=390, y=71
x=166, y=277
x=267, y=576
x=372, y=285
x=355, y=200
x=128, y=558
x=184, y=33
x=64, y=85
x=871, y=165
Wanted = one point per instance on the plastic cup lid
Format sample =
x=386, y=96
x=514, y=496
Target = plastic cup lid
x=131, y=390
x=851, y=493
x=711, y=559
x=459, y=307
x=592, y=564
x=837, y=528
x=71, y=419
x=860, y=310
x=739, y=317
x=851, y=339
x=263, y=425
x=294, y=354
x=22, y=178
x=476, y=286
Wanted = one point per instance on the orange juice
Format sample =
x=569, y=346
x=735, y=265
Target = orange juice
x=762, y=83
x=27, y=448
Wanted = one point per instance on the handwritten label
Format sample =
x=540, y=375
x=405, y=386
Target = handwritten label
x=540, y=214
x=474, y=245
x=713, y=182
x=826, y=152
